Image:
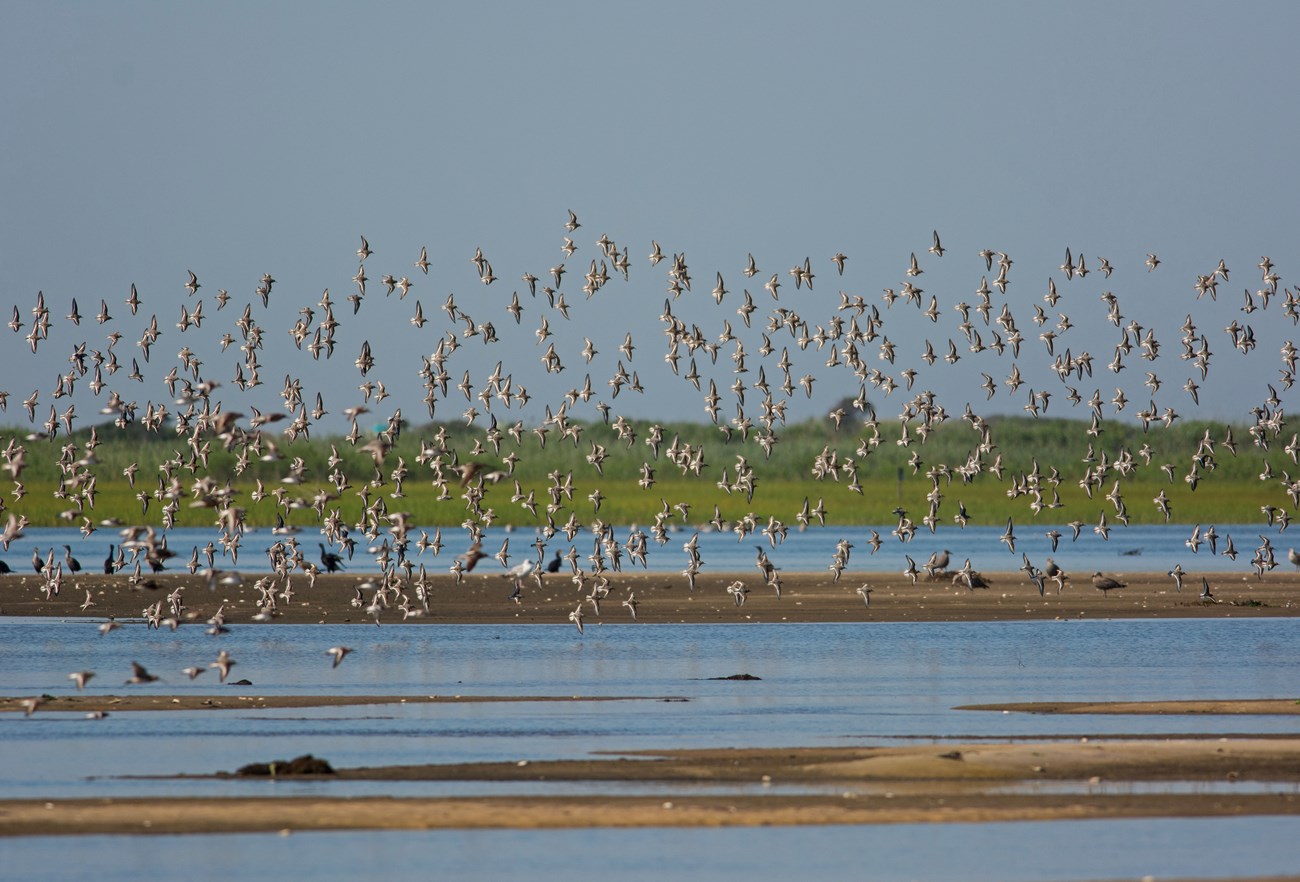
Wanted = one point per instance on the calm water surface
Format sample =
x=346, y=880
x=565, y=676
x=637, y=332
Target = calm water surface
x=824, y=684
x=1042, y=851
x=1145, y=548
x=836, y=684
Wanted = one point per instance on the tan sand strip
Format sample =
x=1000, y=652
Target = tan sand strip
x=932, y=783
x=207, y=815
x=1263, y=706
x=1263, y=759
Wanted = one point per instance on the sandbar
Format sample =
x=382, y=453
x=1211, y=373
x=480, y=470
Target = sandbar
x=660, y=598
x=962, y=782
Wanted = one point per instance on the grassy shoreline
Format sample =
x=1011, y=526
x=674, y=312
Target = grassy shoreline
x=861, y=472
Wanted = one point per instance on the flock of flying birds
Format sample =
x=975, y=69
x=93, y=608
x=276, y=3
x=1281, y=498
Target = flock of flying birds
x=738, y=351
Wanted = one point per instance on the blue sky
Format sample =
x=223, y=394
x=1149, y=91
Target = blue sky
x=143, y=140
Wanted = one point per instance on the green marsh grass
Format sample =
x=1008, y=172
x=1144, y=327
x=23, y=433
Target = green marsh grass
x=891, y=476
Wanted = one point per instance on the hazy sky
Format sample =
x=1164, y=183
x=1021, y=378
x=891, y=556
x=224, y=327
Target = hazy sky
x=142, y=140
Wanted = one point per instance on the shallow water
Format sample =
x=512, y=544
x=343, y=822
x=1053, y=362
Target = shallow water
x=826, y=684
x=1003, y=852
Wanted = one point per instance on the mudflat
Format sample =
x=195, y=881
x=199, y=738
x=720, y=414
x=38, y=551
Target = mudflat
x=660, y=598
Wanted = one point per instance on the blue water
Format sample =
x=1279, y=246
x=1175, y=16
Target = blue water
x=1044, y=851
x=836, y=684
x=830, y=684
x=1147, y=548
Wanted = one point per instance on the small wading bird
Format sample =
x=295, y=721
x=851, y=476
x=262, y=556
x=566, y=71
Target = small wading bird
x=1056, y=574
x=972, y=579
x=518, y=573
x=937, y=563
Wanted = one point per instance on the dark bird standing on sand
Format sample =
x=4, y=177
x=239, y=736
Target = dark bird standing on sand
x=1105, y=583
x=329, y=560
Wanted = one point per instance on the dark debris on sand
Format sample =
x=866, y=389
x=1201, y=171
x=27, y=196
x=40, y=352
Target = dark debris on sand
x=303, y=765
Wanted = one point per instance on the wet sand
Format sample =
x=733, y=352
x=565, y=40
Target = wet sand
x=287, y=814
x=924, y=784
x=666, y=598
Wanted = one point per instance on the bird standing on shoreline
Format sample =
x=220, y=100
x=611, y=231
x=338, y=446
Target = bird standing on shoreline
x=1056, y=574
x=554, y=565
x=1105, y=584
x=937, y=563
x=331, y=561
